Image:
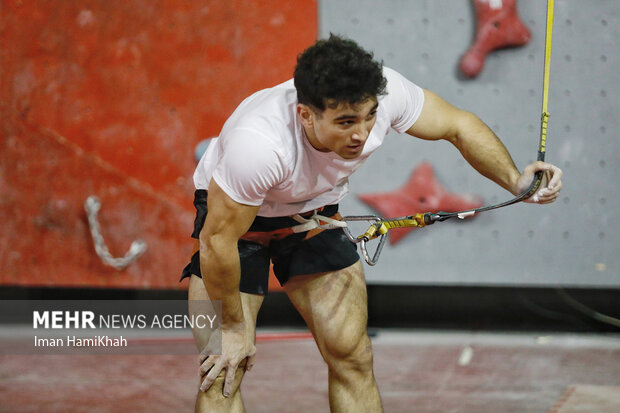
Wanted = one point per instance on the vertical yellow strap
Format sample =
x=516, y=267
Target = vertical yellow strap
x=545, y=100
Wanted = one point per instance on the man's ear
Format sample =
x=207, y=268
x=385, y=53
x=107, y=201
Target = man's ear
x=305, y=114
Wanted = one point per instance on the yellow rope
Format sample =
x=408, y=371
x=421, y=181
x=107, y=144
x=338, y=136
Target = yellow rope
x=545, y=100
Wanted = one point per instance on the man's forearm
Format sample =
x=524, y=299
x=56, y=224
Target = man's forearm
x=485, y=152
x=221, y=269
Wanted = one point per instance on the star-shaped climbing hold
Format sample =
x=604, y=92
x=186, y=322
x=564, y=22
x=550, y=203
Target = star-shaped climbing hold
x=422, y=193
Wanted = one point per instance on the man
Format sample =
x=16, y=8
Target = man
x=286, y=153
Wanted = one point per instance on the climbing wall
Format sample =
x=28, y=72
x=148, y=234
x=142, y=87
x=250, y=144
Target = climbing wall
x=572, y=242
x=110, y=99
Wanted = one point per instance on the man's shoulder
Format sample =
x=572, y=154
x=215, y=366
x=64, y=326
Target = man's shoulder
x=268, y=116
x=270, y=101
x=393, y=75
x=267, y=110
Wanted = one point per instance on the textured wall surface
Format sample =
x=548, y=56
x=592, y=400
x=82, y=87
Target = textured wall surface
x=572, y=242
x=109, y=99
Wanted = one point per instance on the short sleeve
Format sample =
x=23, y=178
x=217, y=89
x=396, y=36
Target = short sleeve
x=248, y=166
x=404, y=100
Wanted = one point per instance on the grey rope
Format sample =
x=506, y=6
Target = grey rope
x=92, y=205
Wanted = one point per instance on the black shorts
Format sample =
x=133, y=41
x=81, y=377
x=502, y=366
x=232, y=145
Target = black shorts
x=330, y=250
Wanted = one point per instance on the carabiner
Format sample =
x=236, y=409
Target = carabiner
x=369, y=218
x=375, y=257
x=363, y=239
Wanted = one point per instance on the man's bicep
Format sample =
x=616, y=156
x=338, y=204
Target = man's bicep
x=226, y=217
x=438, y=120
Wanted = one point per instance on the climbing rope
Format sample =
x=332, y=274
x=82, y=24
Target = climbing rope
x=92, y=205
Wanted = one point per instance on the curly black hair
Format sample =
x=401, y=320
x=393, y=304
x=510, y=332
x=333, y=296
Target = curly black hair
x=337, y=70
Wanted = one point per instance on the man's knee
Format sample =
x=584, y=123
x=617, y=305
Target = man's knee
x=214, y=396
x=348, y=353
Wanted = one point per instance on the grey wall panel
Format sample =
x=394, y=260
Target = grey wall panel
x=572, y=242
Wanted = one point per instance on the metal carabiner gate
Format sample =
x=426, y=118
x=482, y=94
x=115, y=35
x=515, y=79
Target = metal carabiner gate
x=370, y=234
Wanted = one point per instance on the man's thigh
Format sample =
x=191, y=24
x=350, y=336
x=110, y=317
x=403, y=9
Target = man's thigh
x=334, y=305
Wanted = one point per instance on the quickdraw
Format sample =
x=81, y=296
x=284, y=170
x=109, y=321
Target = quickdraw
x=379, y=227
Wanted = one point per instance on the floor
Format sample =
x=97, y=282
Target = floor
x=417, y=371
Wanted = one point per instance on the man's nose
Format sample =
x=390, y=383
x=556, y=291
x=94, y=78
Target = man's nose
x=360, y=133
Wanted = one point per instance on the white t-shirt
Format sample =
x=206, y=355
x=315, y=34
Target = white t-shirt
x=262, y=156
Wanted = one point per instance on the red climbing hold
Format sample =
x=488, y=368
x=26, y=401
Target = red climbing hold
x=497, y=26
x=422, y=193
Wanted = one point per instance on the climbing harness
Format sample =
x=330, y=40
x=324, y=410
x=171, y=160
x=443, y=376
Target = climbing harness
x=311, y=223
x=379, y=226
x=316, y=221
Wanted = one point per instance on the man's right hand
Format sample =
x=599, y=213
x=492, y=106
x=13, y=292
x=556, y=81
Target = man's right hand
x=237, y=345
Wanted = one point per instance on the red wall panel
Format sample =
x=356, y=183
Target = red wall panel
x=110, y=99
